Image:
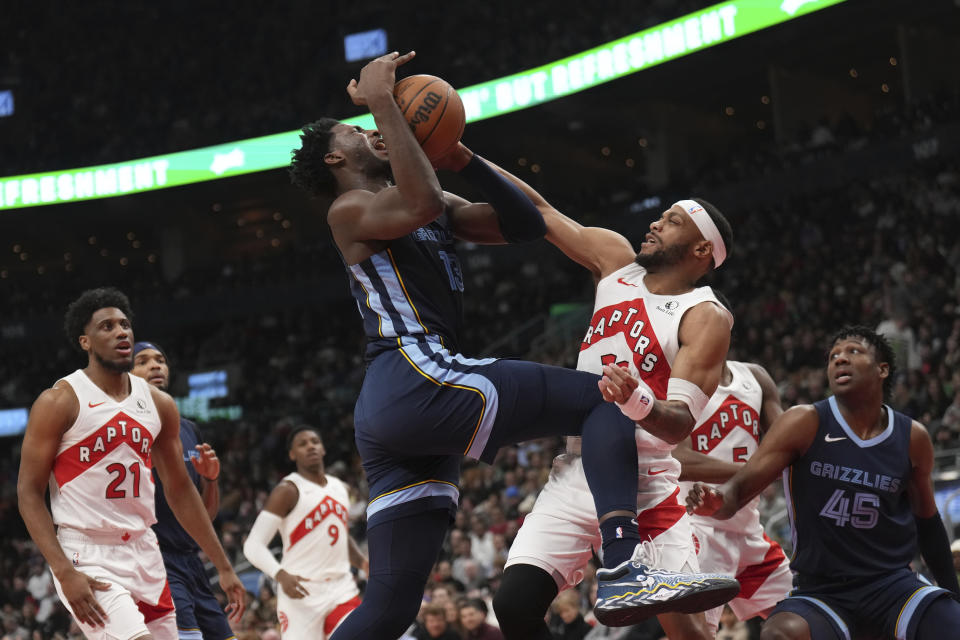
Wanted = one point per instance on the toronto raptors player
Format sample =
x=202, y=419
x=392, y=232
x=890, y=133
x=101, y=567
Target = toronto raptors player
x=93, y=438
x=651, y=322
x=741, y=410
x=309, y=508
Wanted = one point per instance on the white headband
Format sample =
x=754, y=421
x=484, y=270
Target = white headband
x=707, y=227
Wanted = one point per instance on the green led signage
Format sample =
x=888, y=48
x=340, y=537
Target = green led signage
x=668, y=41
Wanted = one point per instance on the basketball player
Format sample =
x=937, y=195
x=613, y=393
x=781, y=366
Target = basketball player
x=198, y=613
x=857, y=478
x=741, y=410
x=423, y=405
x=93, y=438
x=650, y=320
x=309, y=508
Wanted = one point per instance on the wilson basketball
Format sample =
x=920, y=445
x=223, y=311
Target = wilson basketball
x=434, y=111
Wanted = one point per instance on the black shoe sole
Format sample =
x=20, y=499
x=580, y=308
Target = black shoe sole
x=706, y=598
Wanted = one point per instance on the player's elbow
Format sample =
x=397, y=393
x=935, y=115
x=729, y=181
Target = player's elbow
x=428, y=206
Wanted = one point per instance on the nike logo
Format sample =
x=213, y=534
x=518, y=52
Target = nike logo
x=92, y=405
x=827, y=438
x=624, y=282
x=651, y=472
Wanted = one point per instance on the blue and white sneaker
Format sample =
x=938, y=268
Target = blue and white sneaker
x=632, y=592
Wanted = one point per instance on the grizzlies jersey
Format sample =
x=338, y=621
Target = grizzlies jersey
x=170, y=535
x=414, y=287
x=847, y=499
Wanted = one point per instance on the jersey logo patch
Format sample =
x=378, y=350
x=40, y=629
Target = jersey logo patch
x=651, y=472
x=628, y=284
x=827, y=438
x=92, y=405
x=327, y=507
x=731, y=414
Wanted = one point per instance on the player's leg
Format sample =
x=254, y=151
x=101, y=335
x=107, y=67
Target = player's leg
x=522, y=601
x=942, y=613
x=180, y=580
x=764, y=574
x=549, y=553
x=803, y=618
x=333, y=620
x=689, y=626
x=210, y=617
x=402, y=553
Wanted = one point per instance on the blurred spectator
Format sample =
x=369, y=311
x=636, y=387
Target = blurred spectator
x=473, y=616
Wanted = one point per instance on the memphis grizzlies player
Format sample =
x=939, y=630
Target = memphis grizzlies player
x=857, y=478
x=423, y=405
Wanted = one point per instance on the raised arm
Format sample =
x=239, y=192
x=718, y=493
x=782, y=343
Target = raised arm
x=788, y=438
x=51, y=415
x=600, y=250
x=931, y=534
x=185, y=502
x=207, y=465
x=360, y=215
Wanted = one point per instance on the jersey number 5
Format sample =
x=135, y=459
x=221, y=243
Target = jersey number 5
x=113, y=489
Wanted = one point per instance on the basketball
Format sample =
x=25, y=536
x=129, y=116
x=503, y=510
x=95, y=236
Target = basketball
x=434, y=111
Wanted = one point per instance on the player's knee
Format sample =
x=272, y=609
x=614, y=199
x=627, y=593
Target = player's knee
x=785, y=627
x=524, y=596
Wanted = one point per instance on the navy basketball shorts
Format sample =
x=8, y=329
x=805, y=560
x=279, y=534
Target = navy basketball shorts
x=889, y=606
x=199, y=615
x=421, y=409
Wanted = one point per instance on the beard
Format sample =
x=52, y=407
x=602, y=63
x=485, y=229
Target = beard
x=665, y=257
x=120, y=366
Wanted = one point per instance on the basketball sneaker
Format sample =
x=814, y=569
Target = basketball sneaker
x=632, y=591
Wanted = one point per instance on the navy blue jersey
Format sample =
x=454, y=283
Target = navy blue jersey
x=413, y=287
x=170, y=534
x=848, y=501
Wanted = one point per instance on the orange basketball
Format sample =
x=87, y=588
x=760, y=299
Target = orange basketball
x=434, y=111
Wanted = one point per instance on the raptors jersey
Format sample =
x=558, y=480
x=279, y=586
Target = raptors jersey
x=101, y=478
x=315, y=536
x=634, y=328
x=729, y=430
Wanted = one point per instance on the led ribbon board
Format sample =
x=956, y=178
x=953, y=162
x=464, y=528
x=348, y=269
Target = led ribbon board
x=668, y=41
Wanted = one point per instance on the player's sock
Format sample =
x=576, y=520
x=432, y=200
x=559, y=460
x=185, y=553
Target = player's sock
x=620, y=538
x=610, y=463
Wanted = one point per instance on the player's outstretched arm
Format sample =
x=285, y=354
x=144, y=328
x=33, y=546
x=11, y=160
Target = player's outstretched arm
x=931, y=534
x=51, y=415
x=788, y=438
x=600, y=250
x=185, y=502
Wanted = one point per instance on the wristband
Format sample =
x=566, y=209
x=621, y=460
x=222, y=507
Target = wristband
x=640, y=403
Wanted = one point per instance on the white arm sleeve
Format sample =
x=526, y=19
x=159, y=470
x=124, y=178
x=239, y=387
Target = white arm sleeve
x=255, y=548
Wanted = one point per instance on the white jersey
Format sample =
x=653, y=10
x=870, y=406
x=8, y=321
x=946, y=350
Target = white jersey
x=315, y=535
x=634, y=328
x=730, y=431
x=101, y=478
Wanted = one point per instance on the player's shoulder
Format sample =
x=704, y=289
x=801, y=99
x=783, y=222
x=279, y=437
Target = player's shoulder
x=60, y=397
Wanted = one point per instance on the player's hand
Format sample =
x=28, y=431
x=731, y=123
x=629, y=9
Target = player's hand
x=207, y=463
x=617, y=384
x=377, y=76
x=78, y=590
x=454, y=160
x=291, y=584
x=703, y=500
x=236, y=594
